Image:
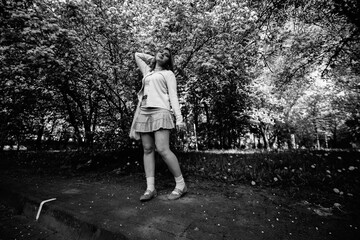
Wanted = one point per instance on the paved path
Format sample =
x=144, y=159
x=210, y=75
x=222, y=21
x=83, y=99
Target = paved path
x=102, y=208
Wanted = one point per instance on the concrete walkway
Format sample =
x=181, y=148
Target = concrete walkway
x=99, y=208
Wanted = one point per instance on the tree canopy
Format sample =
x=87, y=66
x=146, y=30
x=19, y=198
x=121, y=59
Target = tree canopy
x=274, y=69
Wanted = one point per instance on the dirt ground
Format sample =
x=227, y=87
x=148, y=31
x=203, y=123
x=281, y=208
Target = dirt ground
x=210, y=209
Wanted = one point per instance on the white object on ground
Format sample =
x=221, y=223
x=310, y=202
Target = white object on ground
x=41, y=204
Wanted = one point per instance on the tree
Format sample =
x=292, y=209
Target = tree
x=310, y=37
x=70, y=64
x=22, y=94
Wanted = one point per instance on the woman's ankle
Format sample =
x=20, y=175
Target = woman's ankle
x=180, y=182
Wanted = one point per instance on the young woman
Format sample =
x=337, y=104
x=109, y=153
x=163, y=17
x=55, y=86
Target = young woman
x=153, y=119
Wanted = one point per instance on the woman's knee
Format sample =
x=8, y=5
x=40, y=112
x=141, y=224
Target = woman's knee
x=148, y=149
x=163, y=150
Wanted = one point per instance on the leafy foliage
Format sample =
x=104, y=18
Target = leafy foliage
x=68, y=73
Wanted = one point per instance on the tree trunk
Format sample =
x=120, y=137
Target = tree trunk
x=264, y=135
x=254, y=139
x=326, y=141
x=274, y=143
x=317, y=141
x=3, y=136
x=335, y=136
x=40, y=134
x=89, y=136
x=208, y=135
x=292, y=141
x=196, y=141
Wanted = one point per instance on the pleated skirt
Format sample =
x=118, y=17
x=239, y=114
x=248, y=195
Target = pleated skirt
x=153, y=119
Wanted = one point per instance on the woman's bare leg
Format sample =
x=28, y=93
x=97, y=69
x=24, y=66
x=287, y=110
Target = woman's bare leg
x=162, y=138
x=149, y=159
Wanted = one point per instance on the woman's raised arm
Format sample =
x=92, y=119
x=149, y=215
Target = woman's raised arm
x=143, y=60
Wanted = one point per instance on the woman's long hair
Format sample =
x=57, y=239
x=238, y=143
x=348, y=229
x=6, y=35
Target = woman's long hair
x=168, y=66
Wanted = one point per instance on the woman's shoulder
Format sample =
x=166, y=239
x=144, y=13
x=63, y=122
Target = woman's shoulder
x=168, y=73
